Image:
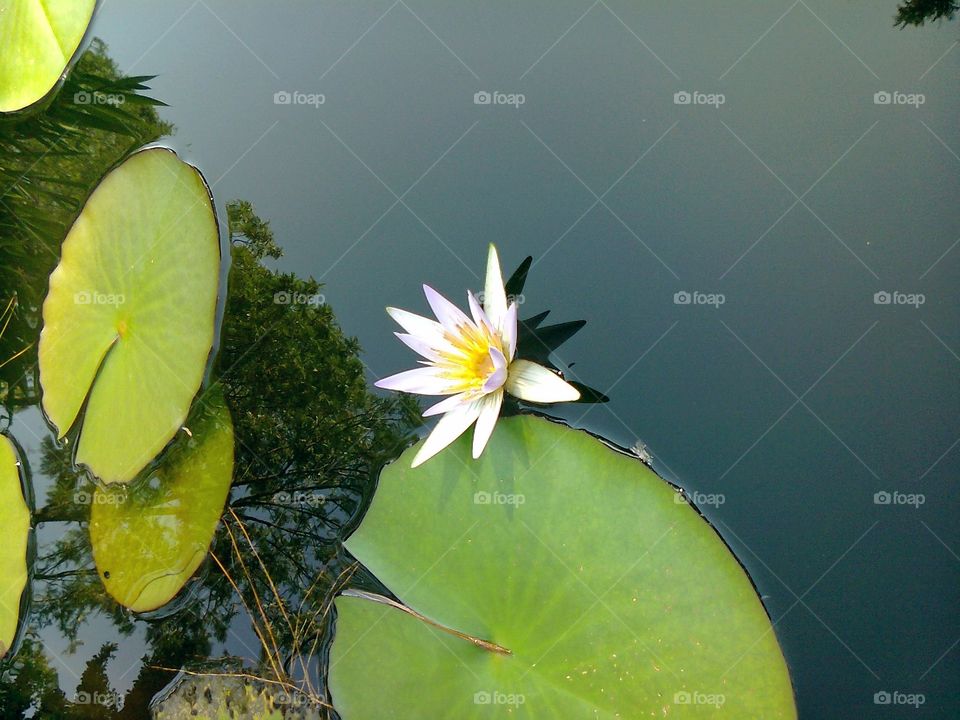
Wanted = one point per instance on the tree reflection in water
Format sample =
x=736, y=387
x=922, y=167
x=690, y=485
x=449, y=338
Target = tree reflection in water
x=309, y=440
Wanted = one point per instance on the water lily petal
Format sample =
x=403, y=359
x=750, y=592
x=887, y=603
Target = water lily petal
x=495, y=381
x=420, y=346
x=425, y=328
x=451, y=426
x=487, y=420
x=494, y=296
x=450, y=316
x=447, y=404
x=498, y=377
x=423, y=381
x=509, y=333
x=529, y=381
x=499, y=359
x=476, y=309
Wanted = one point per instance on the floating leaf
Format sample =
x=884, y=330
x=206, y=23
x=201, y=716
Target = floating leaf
x=225, y=697
x=613, y=596
x=129, y=318
x=39, y=39
x=149, y=537
x=15, y=528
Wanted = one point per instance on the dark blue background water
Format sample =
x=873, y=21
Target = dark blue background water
x=797, y=199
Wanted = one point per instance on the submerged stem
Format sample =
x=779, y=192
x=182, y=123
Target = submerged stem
x=485, y=644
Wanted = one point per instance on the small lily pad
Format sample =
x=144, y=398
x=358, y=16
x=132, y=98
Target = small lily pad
x=585, y=584
x=15, y=525
x=149, y=537
x=39, y=39
x=129, y=317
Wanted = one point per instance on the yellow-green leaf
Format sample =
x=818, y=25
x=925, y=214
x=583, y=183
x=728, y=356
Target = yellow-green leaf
x=15, y=531
x=38, y=39
x=129, y=317
x=149, y=537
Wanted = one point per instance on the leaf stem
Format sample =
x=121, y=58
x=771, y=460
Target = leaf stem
x=485, y=644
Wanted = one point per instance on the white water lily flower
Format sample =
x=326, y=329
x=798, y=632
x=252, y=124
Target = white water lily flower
x=472, y=361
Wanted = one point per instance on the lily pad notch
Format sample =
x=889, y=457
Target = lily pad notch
x=612, y=598
x=130, y=316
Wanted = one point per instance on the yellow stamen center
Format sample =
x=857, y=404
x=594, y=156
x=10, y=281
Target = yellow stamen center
x=470, y=364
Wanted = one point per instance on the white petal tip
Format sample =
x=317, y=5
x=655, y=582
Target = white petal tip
x=563, y=393
x=425, y=453
x=421, y=457
x=535, y=383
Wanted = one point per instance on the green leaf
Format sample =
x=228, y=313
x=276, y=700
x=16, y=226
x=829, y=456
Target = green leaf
x=144, y=100
x=149, y=537
x=39, y=39
x=614, y=597
x=514, y=286
x=15, y=524
x=532, y=323
x=129, y=318
x=225, y=697
x=536, y=345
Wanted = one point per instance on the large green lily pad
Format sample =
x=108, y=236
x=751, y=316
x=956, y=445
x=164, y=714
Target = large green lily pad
x=613, y=599
x=39, y=39
x=149, y=537
x=129, y=318
x=15, y=529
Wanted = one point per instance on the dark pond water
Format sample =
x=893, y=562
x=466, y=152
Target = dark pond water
x=719, y=191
